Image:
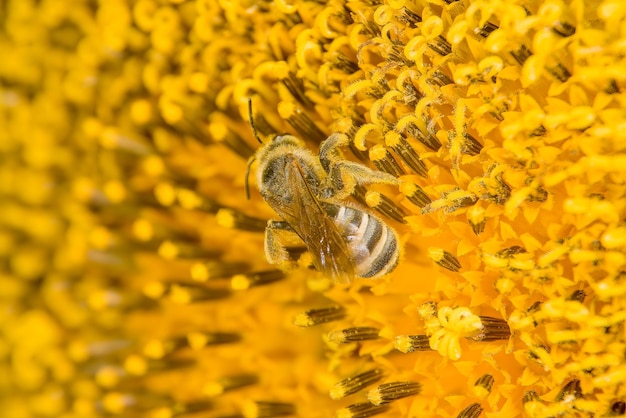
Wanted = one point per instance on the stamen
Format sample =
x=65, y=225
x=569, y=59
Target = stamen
x=248, y=280
x=414, y=193
x=171, y=250
x=392, y=391
x=184, y=293
x=530, y=396
x=189, y=199
x=486, y=29
x=483, y=385
x=232, y=218
x=444, y=259
x=411, y=343
x=355, y=334
x=139, y=366
x=182, y=409
x=198, y=340
x=384, y=161
x=159, y=348
x=578, y=295
x=476, y=219
x=265, y=409
x=301, y=122
x=440, y=46
x=472, y=411
x=451, y=201
x=521, y=54
x=220, y=133
x=406, y=152
x=81, y=351
x=119, y=403
x=227, y=383
x=354, y=384
x=111, y=138
x=410, y=125
x=296, y=88
x=570, y=392
x=361, y=410
x=208, y=270
x=319, y=316
x=492, y=329
x=385, y=206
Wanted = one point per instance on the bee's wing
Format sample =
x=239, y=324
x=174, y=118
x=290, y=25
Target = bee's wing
x=318, y=230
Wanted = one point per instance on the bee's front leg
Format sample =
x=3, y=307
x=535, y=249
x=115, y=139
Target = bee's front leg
x=344, y=175
x=279, y=239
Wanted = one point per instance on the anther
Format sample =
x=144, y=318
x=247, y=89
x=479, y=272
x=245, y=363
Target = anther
x=198, y=340
x=184, y=293
x=483, y=385
x=231, y=218
x=128, y=403
x=444, y=259
x=228, y=383
x=521, y=54
x=570, y=391
x=578, y=295
x=530, y=396
x=384, y=161
x=319, y=316
x=486, y=29
x=410, y=126
x=296, y=88
x=157, y=348
x=260, y=278
x=171, y=250
x=476, y=218
x=265, y=409
x=392, y=391
x=406, y=153
x=300, y=121
x=385, y=206
x=361, y=410
x=137, y=365
x=471, y=146
x=80, y=351
x=177, y=409
x=208, y=270
x=411, y=343
x=414, y=193
x=440, y=46
x=189, y=199
x=355, y=334
x=492, y=329
x=564, y=29
x=355, y=383
x=112, y=139
x=220, y=133
x=472, y=411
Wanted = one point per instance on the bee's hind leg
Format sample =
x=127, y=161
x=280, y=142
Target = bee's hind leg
x=344, y=175
x=280, y=242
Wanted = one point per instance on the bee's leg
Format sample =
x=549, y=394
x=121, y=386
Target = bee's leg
x=344, y=175
x=278, y=237
x=329, y=150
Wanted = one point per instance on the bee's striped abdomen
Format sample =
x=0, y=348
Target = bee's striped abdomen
x=374, y=246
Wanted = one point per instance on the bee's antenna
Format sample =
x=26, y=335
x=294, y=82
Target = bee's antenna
x=256, y=135
x=246, y=184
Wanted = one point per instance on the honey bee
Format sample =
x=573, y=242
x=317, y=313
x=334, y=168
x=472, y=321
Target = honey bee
x=309, y=194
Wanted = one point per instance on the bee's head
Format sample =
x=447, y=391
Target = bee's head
x=272, y=146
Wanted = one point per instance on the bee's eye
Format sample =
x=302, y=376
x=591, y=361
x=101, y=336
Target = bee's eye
x=268, y=174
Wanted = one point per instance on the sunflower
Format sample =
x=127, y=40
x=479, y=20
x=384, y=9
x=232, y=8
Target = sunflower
x=133, y=276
